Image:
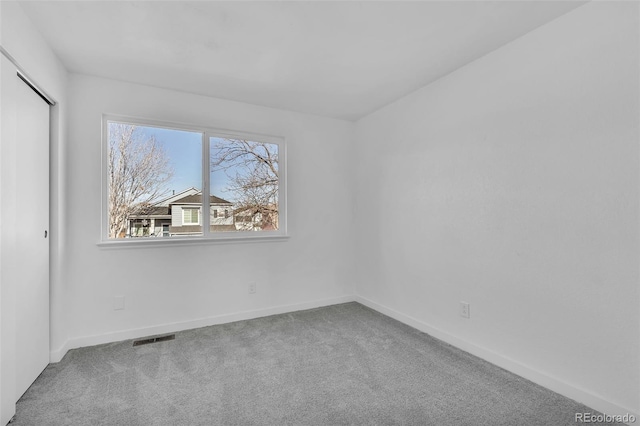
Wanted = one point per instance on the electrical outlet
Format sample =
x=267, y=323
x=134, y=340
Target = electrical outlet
x=464, y=310
x=118, y=303
x=252, y=288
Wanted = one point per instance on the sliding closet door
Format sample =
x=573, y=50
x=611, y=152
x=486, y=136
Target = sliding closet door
x=32, y=226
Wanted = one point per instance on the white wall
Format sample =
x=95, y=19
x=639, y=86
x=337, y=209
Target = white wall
x=521, y=173
x=312, y=268
x=23, y=42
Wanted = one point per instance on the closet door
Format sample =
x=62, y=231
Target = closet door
x=32, y=248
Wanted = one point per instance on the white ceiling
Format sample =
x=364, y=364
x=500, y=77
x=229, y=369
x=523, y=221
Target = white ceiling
x=338, y=59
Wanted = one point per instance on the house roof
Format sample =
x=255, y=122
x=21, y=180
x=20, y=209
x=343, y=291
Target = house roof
x=172, y=198
x=161, y=209
x=161, y=212
x=197, y=199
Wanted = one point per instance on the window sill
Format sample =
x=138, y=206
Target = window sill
x=176, y=241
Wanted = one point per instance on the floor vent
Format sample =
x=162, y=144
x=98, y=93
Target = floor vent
x=154, y=340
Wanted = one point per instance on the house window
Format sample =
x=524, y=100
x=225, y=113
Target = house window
x=191, y=216
x=161, y=171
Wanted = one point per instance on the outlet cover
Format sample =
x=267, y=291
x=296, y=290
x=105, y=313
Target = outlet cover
x=465, y=310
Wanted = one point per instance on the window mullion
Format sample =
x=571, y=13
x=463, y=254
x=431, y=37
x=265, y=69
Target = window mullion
x=206, y=208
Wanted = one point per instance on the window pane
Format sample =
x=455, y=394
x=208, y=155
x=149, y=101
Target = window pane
x=190, y=216
x=244, y=185
x=153, y=175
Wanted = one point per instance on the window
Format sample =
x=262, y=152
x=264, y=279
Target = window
x=157, y=173
x=191, y=216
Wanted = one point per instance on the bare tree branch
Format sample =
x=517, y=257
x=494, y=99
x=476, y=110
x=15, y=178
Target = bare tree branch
x=138, y=170
x=252, y=168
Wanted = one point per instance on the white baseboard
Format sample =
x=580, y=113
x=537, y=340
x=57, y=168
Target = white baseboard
x=557, y=385
x=80, y=342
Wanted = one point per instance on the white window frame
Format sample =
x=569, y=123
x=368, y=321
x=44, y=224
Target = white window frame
x=207, y=236
x=190, y=210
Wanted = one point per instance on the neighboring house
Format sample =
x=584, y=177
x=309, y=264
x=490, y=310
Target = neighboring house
x=186, y=215
x=247, y=220
x=180, y=215
x=251, y=220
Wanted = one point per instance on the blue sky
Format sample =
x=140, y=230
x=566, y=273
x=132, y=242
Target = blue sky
x=185, y=152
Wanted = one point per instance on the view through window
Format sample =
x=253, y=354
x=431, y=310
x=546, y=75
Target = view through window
x=155, y=182
x=247, y=171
